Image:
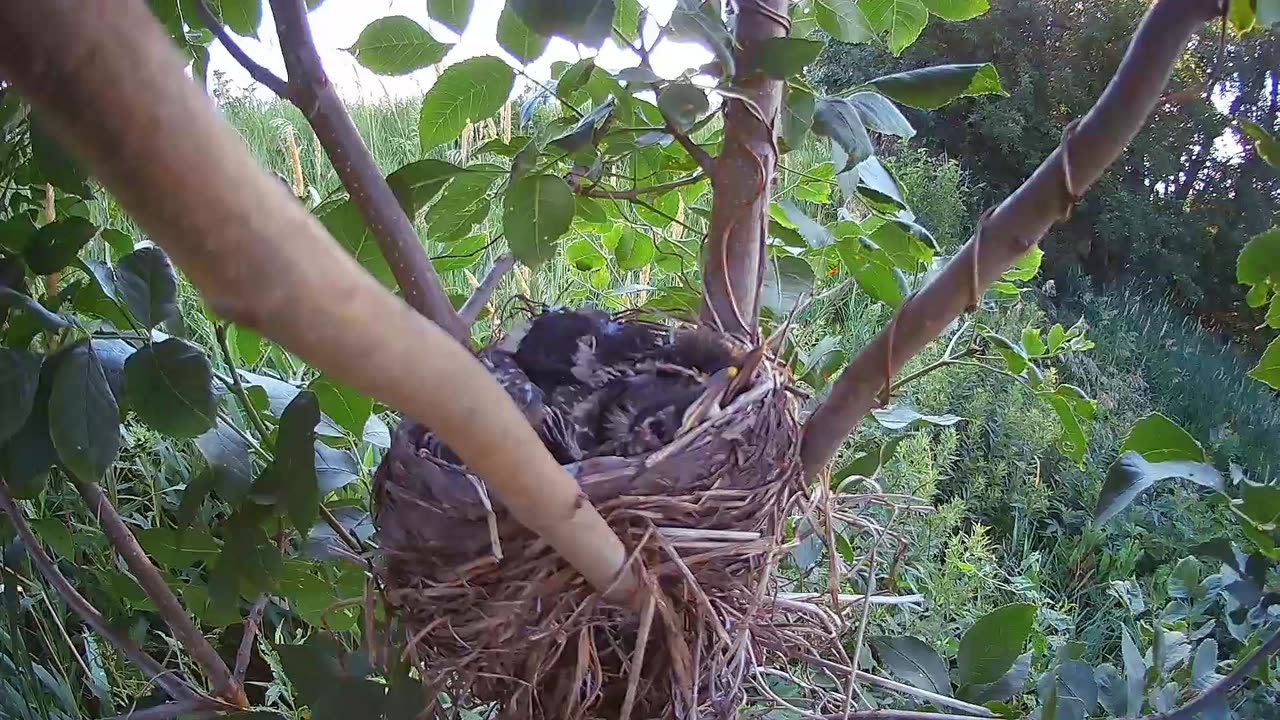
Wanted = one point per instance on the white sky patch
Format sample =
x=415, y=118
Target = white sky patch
x=336, y=24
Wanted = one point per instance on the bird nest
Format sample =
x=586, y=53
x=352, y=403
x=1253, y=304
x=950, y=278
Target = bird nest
x=687, y=444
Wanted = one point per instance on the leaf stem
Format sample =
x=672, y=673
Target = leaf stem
x=237, y=387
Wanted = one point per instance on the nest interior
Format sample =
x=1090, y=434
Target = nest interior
x=686, y=442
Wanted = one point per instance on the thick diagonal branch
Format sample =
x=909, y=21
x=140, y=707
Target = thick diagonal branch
x=1016, y=225
x=167, y=681
x=308, y=88
x=170, y=608
x=742, y=178
x=110, y=83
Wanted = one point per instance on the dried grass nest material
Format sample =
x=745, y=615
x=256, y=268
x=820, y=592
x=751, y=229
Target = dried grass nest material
x=493, y=615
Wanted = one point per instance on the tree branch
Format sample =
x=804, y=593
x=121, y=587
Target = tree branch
x=166, y=680
x=1218, y=690
x=592, y=191
x=194, y=708
x=1015, y=226
x=309, y=89
x=743, y=179
x=471, y=309
x=251, y=625
x=168, y=605
x=110, y=83
x=273, y=82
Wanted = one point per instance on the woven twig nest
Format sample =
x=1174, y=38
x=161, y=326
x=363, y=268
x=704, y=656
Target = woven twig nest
x=494, y=616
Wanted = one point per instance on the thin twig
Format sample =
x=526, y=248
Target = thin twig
x=251, y=625
x=274, y=83
x=1229, y=682
x=593, y=191
x=470, y=311
x=166, y=680
x=237, y=387
x=167, y=604
x=200, y=707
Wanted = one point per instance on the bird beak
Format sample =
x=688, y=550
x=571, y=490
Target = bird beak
x=709, y=402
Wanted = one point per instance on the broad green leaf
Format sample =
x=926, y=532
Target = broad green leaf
x=347, y=226
x=933, y=87
x=840, y=121
x=683, y=103
x=247, y=343
x=1033, y=342
x=84, y=419
x=1026, y=267
x=583, y=135
x=536, y=212
x=54, y=164
x=148, y=285
x=1132, y=474
x=1009, y=685
x=865, y=464
x=1242, y=16
x=700, y=22
x=627, y=19
x=516, y=38
x=170, y=386
x=881, y=115
x=113, y=354
x=874, y=270
x=913, y=662
x=1014, y=357
x=120, y=243
x=226, y=452
x=635, y=249
x=1184, y=579
x=346, y=407
x=414, y=185
x=957, y=10
x=1135, y=672
x=583, y=256
x=335, y=468
x=177, y=550
x=989, y=648
x=16, y=233
x=902, y=416
x=249, y=563
x=1259, y=261
x=1111, y=689
x=797, y=118
x=242, y=17
x=843, y=20
x=1158, y=439
x=1068, y=692
x=812, y=231
x=29, y=453
x=1260, y=503
x=783, y=57
x=585, y=22
x=470, y=90
x=55, y=246
x=1073, y=442
x=453, y=14
x=1268, y=368
x=574, y=77
x=462, y=254
x=19, y=378
x=1268, y=147
x=397, y=45
x=901, y=20
x=464, y=204
x=786, y=280
x=290, y=481
x=318, y=672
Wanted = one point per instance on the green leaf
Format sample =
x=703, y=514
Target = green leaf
x=901, y=20
x=318, y=673
x=249, y=562
x=1014, y=357
x=177, y=550
x=1204, y=665
x=516, y=38
x=1009, y=685
x=147, y=283
x=247, y=343
x=29, y=453
x=1068, y=692
x=881, y=115
x=843, y=20
x=1026, y=267
x=54, y=164
x=470, y=90
x=170, y=386
x=397, y=45
x=1129, y=476
x=1033, y=342
x=912, y=661
x=840, y=121
x=1073, y=442
x=783, y=57
x=1268, y=368
x=84, y=419
x=1258, y=264
x=1267, y=146
x=865, y=464
x=19, y=378
x=574, y=77
x=55, y=246
x=226, y=452
x=16, y=233
x=464, y=204
x=462, y=254
x=1158, y=439
x=536, y=212
x=933, y=87
x=453, y=14
x=335, y=468
x=901, y=416
x=874, y=270
x=1111, y=689
x=348, y=408
x=414, y=185
x=585, y=22
x=635, y=249
x=812, y=231
x=700, y=22
x=797, y=118
x=290, y=481
x=957, y=10
x=1260, y=503
x=683, y=103
x=242, y=17
x=786, y=280
x=1135, y=672
x=990, y=647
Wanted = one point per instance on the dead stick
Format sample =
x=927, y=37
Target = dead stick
x=251, y=625
x=1016, y=225
x=167, y=681
x=111, y=84
x=170, y=608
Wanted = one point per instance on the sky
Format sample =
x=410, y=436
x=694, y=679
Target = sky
x=337, y=23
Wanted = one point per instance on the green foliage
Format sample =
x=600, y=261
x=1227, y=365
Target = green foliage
x=397, y=45
x=470, y=90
